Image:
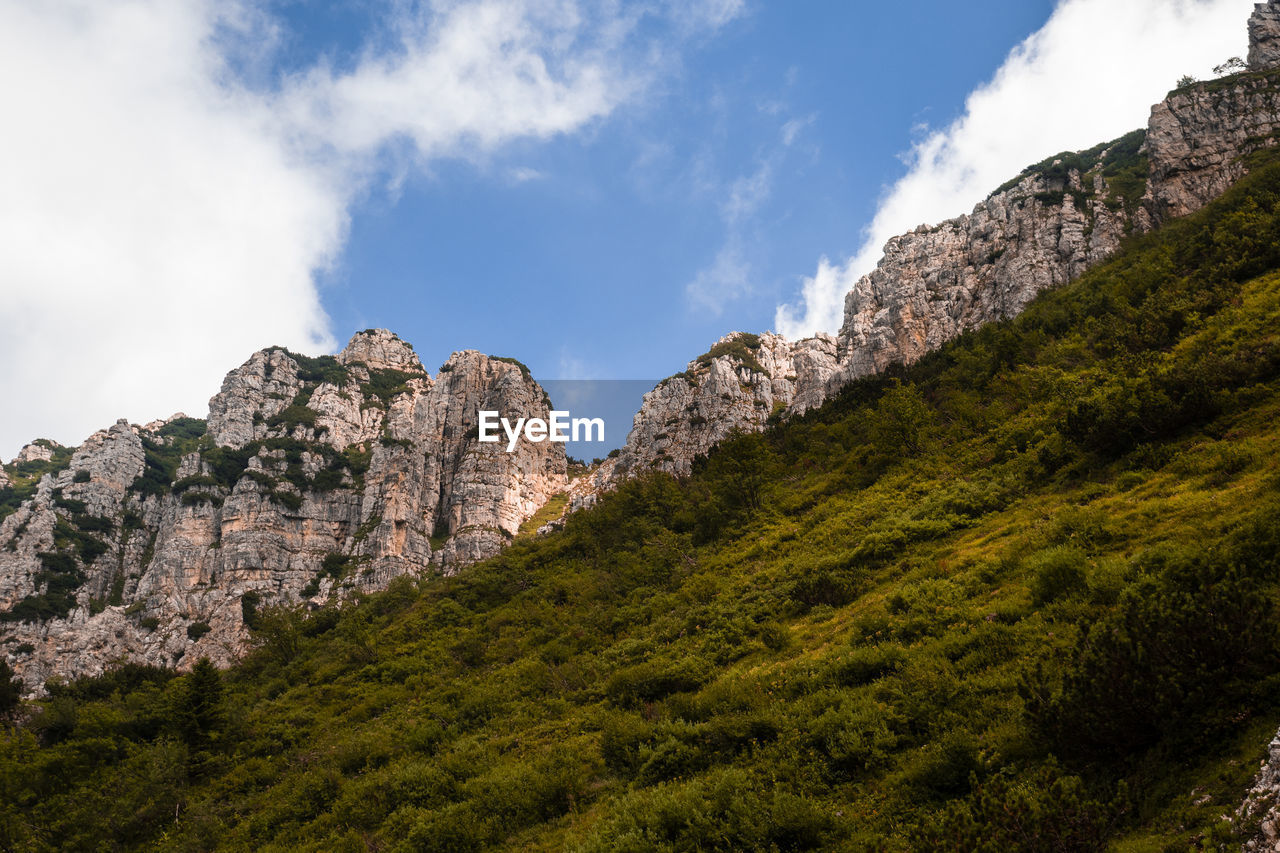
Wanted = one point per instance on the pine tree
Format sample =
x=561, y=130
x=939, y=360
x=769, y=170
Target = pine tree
x=198, y=708
x=10, y=691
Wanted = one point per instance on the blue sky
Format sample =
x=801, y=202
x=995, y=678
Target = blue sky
x=601, y=189
x=582, y=271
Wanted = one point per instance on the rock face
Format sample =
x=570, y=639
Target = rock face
x=1058, y=220
x=1261, y=807
x=37, y=451
x=1199, y=139
x=737, y=385
x=313, y=477
x=1264, y=36
x=937, y=282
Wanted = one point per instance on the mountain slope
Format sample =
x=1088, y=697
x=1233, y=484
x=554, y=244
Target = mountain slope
x=1021, y=593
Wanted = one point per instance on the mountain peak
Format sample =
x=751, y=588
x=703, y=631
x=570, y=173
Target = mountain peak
x=380, y=349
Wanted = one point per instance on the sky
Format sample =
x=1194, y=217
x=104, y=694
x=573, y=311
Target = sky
x=600, y=188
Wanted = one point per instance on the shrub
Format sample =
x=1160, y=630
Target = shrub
x=648, y=682
x=728, y=810
x=1046, y=811
x=900, y=422
x=742, y=348
x=1187, y=642
x=856, y=736
x=1056, y=572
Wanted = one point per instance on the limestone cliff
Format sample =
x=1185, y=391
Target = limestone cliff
x=312, y=477
x=738, y=385
x=1264, y=36
x=1044, y=228
x=1063, y=217
x=1054, y=222
x=1201, y=138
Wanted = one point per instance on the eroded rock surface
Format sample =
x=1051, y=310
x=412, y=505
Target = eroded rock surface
x=1201, y=138
x=736, y=386
x=313, y=477
x=1260, y=810
x=1264, y=36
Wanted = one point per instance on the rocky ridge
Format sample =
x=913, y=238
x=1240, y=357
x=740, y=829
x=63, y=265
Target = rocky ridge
x=737, y=385
x=312, y=478
x=1042, y=229
x=1062, y=217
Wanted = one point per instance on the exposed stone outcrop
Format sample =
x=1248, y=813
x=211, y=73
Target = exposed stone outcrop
x=251, y=394
x=37, y=451
x=313, y=477
x=378, y=349
x=1199, y=138
x=1260, y=811
x=737, y=385
x=1264, y=36
x=937, y=282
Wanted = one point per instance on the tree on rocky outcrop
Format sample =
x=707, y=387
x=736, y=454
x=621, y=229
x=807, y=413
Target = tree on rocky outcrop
x=1234, y=65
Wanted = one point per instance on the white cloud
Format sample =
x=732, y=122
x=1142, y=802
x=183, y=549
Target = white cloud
x=1089, y=75
x=156, y=229
x=792, y=129
x=706, y=15
x=726, y=279
x=747, y=193
x=163, y=218
x=523, y=174
x=474, y=74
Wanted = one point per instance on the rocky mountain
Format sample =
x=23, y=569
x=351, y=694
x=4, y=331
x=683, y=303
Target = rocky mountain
x=315, y=475
x=740, y=383
x=312, y=477
x=1044, y=228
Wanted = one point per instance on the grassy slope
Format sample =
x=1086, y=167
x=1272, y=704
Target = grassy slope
x=853, y=632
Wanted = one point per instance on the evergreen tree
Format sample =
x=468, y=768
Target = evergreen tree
x=10, y=691
x=198, y=708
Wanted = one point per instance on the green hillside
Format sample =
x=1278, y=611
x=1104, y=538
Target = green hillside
x=1018, y=597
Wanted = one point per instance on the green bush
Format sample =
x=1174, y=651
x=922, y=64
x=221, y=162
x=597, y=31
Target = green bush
x=1057, y=572
x=729, y=810
x=1188, y=642
x=648, y=682
x=1046, y=811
